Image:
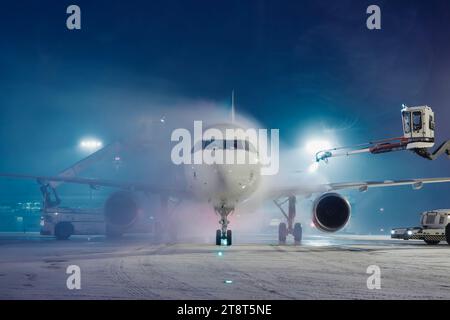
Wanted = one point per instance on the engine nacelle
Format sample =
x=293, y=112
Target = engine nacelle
x=331, y=212
x=121, y=210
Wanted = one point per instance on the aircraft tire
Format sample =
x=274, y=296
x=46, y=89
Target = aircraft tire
x=229, y=238
x=298, y=232
x=218, y=237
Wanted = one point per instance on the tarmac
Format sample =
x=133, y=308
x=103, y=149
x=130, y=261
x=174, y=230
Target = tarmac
x=255, y=267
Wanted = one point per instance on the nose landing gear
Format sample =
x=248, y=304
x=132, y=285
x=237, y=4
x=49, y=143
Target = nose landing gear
x=220, y=237
x=223, y=235
x=290, y=228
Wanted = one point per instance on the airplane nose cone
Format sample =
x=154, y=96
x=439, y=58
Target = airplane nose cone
x=224, y=181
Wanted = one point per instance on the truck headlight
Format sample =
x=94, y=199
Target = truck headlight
x=392, y=232
x=409, y=232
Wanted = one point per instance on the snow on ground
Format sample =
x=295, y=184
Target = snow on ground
x=32, y=267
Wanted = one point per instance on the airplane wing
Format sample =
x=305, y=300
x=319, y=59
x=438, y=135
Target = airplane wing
x=74, y=170
x=95, y=183
x=361, y=186
x=274, y=193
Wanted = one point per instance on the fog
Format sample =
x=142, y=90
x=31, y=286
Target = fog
x=310, y=69
x=143, y=130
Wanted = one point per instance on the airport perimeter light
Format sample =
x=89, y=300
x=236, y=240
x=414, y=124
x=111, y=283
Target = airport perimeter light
x=90, y=144
x=314, y=146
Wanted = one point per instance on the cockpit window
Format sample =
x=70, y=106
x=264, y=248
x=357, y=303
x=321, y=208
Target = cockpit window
x=249, y=146
x=232, y=144
x=227, y=145
x=206, y=143
x=407, y=122
x=417, y=120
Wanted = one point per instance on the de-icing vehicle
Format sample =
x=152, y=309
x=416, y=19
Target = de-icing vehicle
x=418, y=136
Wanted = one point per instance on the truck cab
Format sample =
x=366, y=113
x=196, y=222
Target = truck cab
x=434, y=228
x=435, y=219
x=418, y=126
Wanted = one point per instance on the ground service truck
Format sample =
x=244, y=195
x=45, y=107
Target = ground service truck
x=435, y=227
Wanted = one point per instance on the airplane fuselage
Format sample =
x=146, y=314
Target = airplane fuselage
x=223, y=183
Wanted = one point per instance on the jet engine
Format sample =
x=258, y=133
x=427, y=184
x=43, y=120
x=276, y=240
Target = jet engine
x=331, y=212
x=121, y=211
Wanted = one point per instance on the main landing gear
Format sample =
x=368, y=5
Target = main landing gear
x=284, y=229
x=223, y=235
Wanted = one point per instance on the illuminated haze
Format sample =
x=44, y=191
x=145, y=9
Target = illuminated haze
x=309, y=68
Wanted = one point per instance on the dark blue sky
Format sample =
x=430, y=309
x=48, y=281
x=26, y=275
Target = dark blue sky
x=295, y=65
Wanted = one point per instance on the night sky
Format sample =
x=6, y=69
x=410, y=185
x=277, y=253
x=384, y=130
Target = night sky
x=306, y=67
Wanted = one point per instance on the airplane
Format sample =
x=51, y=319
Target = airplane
x=225, y=187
